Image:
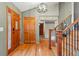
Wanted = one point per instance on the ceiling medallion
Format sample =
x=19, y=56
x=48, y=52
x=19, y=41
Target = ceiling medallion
x=42, y=8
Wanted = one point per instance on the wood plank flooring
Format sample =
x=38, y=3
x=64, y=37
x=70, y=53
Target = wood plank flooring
x=41, y=49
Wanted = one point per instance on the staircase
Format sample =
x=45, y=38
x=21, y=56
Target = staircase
x=66, y=39
x=71, y=39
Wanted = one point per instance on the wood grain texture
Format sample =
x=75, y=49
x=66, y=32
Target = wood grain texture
x=29, y=30
x=41, y=49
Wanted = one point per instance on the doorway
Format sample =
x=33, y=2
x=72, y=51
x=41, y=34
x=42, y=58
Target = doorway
x=41, y=31
x=13, y=30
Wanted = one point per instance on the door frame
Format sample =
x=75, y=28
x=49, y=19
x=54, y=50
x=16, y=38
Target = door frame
x=35, y=25
x=8, y=10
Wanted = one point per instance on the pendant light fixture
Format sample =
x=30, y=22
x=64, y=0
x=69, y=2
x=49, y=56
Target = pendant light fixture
x=42, y=8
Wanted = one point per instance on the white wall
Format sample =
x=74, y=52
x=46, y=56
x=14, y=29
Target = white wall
x=53, y=10
x=65, y=9
x=76, y=10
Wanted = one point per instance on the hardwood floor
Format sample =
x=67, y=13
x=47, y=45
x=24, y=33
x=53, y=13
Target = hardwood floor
x=41, y=49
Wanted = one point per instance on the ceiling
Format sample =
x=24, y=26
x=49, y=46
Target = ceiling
x=23, y=6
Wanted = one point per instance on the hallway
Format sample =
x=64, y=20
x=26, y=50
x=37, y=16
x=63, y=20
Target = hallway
x=38, y=29
x=41, y=49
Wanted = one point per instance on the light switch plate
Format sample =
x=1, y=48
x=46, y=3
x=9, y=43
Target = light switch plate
x=1, y=29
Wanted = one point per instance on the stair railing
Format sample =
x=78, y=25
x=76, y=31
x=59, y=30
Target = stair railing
x=70, y=40
x=56, y=34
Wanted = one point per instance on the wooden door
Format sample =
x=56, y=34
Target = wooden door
x=15, y=33
x=26, y=30
x=29, y=30
x=32, y=35
x=17, y=30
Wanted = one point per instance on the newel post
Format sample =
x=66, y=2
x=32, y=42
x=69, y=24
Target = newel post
x=59, y=43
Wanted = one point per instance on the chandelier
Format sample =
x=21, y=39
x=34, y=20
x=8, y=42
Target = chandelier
x=42, y=8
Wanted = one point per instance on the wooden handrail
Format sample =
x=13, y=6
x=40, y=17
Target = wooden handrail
x=72, y=24
x=62, y=21
x=58, y=37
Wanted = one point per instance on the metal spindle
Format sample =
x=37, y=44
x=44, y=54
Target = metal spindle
x=72, y=41
x=74, y=38
x=77, y=36
x=66, y=44
x=69, y=42
x=63, y=46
